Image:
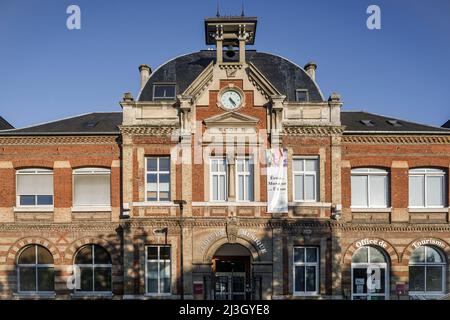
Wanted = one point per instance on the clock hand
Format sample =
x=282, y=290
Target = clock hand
x=232, y=101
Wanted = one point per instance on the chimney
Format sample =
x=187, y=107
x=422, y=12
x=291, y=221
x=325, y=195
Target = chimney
x=310, y=68
x=145, y=72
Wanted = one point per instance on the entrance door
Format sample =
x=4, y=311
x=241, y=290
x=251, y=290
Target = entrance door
x=231, y=273
x=230, y=286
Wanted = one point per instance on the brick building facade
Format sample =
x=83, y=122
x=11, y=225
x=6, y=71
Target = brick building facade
x=169, y=198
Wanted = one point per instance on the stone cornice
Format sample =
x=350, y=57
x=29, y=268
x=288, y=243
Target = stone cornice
x=397, y=139
x=312, y=130
x=53, y=140
x=149, y=130
x=59, y=227
x=392, y=227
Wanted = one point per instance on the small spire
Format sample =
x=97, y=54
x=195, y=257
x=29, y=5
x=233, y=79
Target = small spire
x=242, y=10
x=218, y=10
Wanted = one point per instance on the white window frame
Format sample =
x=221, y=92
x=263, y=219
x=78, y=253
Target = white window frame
x=382, y=265
x=157, y=261
x=368, y=172
x=218, y=173
x=96, y=171
x=158, y=173
x=425, y=173
x=305, y=264
x=36, y=265
x=34, y=171
x=425, y=264
x=304, y=173
x=249, y=174
x=93, y=265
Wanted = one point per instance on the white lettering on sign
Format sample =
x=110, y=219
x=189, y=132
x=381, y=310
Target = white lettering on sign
x=430, y=241
x=250, y=235
x=368, y=242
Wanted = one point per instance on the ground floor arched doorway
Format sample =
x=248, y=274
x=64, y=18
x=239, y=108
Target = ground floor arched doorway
x=231, y=273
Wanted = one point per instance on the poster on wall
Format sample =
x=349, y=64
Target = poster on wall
x=277, y=199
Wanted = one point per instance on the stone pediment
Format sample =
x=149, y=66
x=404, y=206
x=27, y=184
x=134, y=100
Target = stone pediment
x=231, y=119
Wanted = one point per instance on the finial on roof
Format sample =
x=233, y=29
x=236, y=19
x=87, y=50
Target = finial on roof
x=218, y=10
x=242, y=11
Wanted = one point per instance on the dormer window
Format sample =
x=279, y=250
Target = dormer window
x=394, y=123
x=368, y=123
x=302, y=95
x=164, y=91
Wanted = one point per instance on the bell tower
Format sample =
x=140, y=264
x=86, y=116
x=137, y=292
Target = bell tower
x=230, y=32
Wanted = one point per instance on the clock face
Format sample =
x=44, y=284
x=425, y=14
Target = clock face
x=231, y=99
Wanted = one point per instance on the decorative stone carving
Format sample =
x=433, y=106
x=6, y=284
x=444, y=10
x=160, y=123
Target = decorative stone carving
x=232, y=229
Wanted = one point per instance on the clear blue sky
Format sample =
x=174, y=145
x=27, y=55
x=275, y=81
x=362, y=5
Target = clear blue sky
x=48, y=72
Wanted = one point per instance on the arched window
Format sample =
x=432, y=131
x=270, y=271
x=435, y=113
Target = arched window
x=427, y=188
x=35, y=270
x=94, y=265
x=426, y=271
x=370, y=188
x=369, y=274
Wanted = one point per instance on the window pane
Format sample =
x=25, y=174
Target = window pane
x=86, y=279
x=164, y=253
x=298, y=165
x=222, y=187
x=416, y=278
x=164, y=182
x=152, y=253
x=152, y=164
x=27, y=277
x=434, y=278
x=44, y=256
x=27, y=200
x=241, y=188
x=102, y=279
x=359, y=280
x=311, y=255
x=46, y=279
x=240, y=165
x=434, y=191
x=310, y=278
x=84, y=255
x=378, y=191
x=418, y=255
x=302, y=96
x=311, y=165
x=28, y=255
x=310, y=193
x=215, y=183
x=164, y=91
x=298, y=187
x=361, y=255
x=152, y=277
x=432, y=255
x=299, y=279
x=214, y=165
x=164, y=164
x=416, y=191
x=101, y=256
x=152, y=187
x=44, y=200
x=376, y=256
x=164, y=268
x=249, y=182
x=299, y=254
x=359, y=191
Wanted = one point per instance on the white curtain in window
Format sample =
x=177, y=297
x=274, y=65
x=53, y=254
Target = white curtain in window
x=92, y=190
x=35, y=184
x=416, y=191
x=435, y=191
x=378, y=191
x=359, y=191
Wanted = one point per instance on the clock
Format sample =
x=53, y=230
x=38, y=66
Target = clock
x=231, y=99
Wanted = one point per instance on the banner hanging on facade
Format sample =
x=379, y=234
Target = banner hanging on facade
x=277, y=199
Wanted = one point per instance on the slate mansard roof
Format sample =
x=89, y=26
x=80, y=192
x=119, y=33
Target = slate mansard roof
x=283, y=74
x=5, y=125
x=107, y=123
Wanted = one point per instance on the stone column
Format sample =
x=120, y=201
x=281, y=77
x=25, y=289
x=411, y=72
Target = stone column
x=336, y=267
x=231, y=179
x=277, y=247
